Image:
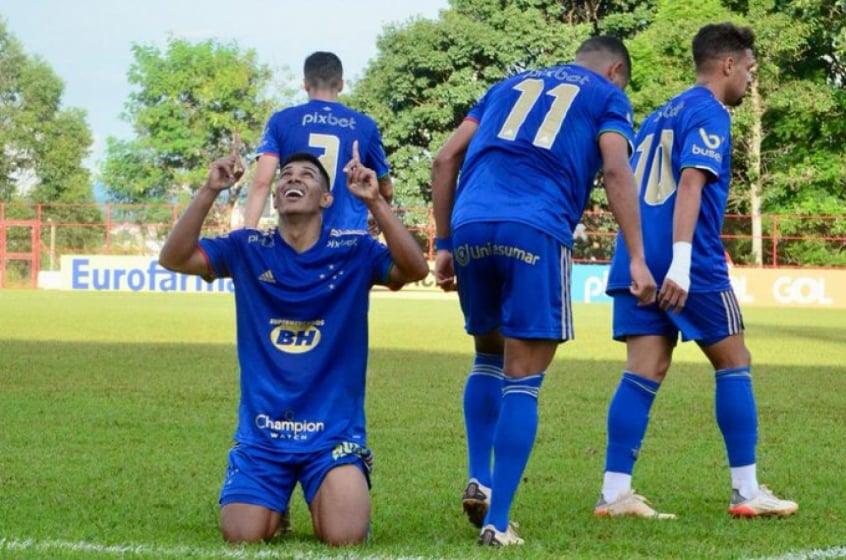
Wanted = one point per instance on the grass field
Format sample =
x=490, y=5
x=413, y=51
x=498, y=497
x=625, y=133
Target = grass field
x=116, y=413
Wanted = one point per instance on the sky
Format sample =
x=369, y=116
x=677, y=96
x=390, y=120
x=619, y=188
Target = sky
x=88, y=42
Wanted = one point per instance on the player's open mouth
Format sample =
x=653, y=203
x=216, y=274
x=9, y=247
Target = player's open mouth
x=294, y=193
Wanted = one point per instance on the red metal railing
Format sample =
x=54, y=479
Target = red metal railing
x=34, y=237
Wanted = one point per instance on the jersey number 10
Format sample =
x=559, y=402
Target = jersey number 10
x=660, y=184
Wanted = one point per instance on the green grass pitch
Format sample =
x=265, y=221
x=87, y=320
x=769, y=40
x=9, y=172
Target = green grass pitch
x=117, y=410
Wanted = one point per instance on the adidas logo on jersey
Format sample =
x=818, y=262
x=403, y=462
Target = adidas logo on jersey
x=267, y=276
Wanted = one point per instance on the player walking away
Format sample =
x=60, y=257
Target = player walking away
x=528, y=153
x=683, y=165
x=326, y=128
x=301, y=300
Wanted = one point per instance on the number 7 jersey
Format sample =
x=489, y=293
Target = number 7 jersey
x=536, y=153
x=693, y=130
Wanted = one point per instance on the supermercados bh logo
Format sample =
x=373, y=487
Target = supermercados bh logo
x=295, y=337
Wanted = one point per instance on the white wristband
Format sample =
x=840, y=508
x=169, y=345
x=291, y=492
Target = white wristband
x=680, y=267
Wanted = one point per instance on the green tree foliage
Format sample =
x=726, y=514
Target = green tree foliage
x=789, y=143
x=803, y=46
x=43, y=144
x=190, y=100
x=429, y=73
x=43, y=147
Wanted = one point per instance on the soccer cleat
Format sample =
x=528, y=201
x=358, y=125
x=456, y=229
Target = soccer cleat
x=762, y=504
x=491, y=537
x=630, y=504
x=475, y=502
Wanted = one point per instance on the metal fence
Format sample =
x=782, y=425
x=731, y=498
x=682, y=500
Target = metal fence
x=33, y=237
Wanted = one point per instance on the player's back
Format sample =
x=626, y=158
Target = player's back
x=692, y=130
x=535, y=154
x=328, y=129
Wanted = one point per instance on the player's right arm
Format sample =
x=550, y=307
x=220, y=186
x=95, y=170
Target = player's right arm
x=445, y=168
x=260, y=189
x=622, y=198
x=181, y=252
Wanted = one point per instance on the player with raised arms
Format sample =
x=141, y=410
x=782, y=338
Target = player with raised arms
x=301, y=300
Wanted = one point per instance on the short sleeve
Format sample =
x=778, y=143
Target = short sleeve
x=707, y=140
x=617, y=117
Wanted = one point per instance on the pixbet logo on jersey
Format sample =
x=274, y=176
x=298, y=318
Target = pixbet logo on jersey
x=328, y=119
x=295, y=337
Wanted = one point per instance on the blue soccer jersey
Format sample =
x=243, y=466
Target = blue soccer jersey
x=302, y=334
x=327, y=129
x=693, y=130
x=535, y=154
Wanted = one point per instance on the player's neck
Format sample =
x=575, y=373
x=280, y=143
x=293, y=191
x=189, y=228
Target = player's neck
x=713, y=86
x=323, y=95
x=301, y=231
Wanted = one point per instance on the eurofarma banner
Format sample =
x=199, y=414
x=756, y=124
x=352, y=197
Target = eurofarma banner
x=130, y=274
x=771, y=287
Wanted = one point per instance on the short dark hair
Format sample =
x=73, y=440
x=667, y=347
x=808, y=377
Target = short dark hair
x=610, y=45
x=717, y=39
x=323, y=70
x=310, y=158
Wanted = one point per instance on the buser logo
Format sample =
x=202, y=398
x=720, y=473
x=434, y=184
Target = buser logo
x=711, y=140
x=295, y=337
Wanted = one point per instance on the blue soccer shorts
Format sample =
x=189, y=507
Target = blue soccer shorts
x=267, y=478
x=707, y=318
x=513, y=277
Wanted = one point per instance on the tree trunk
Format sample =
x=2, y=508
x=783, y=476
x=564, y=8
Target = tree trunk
x=755, y=173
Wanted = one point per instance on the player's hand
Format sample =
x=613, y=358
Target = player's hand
x=226, y=171
x=672, y=297
x=445, y=271
x=361, y=180
x=643, y=284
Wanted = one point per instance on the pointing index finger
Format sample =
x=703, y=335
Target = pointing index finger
x=355, y=156
x=236, y=144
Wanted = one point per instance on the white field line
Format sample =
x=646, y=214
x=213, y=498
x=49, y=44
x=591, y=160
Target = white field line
x=19, y=545
x=813, y=554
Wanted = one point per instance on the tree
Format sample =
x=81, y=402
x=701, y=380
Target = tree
x=43, y=145
x=428, y=74
x=190, y=101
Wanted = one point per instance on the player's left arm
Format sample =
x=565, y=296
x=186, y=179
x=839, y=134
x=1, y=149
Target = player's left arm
x=674, y=290
x=409, y=263
x=445, y=168
x=376, y=159
x=621, y=189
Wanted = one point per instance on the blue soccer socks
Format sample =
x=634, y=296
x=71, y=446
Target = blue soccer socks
x=737, y=415
x=482, y=401
x=628, y=417
x=513, y=440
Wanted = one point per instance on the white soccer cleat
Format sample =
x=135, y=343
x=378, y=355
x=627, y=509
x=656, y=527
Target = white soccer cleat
x=762, y=504
x=628, y=504
x=491, y=537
